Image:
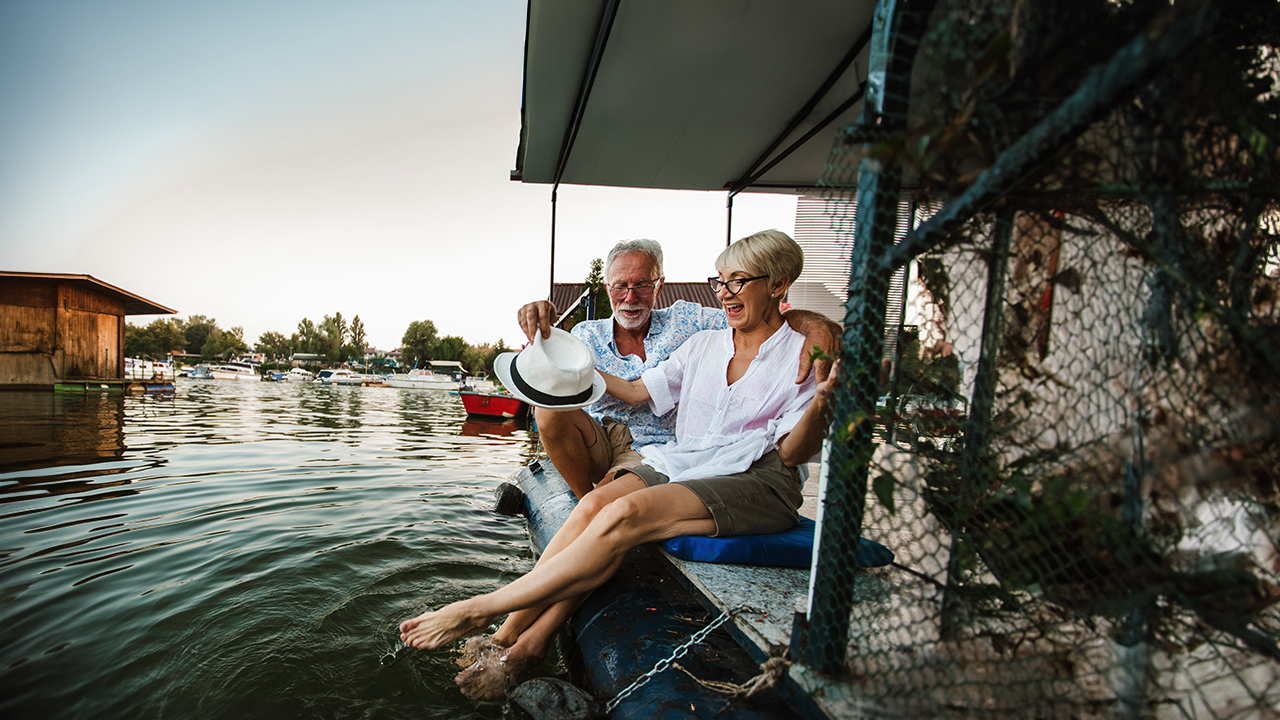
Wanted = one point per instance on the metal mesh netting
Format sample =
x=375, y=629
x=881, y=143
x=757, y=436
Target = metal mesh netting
x=1075, y=448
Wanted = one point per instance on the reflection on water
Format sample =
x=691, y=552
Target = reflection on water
x=243, y=549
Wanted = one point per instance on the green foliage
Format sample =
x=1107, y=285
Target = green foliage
x=358, y=338
x=224, y=344
x=272, y=344
x=307, y=339
x=883, y=486
x=419, y=343
x=196, y=331
x=155, y=341
x=819, y=354
x=595, y=281
x=450, y=347
x=333, y=334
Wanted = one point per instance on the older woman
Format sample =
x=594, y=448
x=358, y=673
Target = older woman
x=743, y=428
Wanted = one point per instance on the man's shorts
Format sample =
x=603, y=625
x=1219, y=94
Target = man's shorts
x=764, y=498
x=611, y=450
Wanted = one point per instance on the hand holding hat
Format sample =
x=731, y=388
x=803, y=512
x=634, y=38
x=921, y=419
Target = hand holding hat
x=557, y=372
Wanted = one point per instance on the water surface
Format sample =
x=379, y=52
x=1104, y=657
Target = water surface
x=243, y=550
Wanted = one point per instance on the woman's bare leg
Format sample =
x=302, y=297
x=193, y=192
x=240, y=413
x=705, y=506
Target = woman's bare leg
x=577, y=522
x=582, y=564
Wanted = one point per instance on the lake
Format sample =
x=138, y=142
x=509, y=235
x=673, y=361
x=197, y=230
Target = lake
x=244, y=549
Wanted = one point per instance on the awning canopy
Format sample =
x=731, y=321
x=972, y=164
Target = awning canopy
x=688, y=94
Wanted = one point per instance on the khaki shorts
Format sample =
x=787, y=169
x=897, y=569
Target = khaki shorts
x=765, y=498
x=611, y=450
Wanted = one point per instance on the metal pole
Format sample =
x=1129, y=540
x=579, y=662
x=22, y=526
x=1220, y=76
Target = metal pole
x=728, y=232
x=551, y=289
x=978, y=426
x=899, y=24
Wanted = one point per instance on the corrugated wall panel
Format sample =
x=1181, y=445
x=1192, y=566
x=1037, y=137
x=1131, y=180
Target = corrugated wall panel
x=824, y=230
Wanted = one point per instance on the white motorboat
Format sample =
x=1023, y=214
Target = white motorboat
x=419, y=379
x=148, y=370
x=299, y=375
x=235, y=370
x=339, y=377
x=198, y=372
x=480, y=385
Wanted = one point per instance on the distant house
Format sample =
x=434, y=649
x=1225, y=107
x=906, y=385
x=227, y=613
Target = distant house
x=57, y=329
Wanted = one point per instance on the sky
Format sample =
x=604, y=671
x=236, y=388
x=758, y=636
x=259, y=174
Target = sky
x=264, y=162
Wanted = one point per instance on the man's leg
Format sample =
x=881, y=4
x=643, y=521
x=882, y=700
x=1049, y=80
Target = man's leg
x=568, y=436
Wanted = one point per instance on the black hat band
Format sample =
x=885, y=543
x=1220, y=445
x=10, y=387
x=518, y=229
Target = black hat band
x=540, y=397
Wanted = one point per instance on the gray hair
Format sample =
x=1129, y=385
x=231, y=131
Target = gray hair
x=644, y=247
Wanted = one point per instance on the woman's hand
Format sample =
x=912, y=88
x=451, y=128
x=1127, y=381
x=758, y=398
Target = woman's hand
x=827, y=387
x=805, y=439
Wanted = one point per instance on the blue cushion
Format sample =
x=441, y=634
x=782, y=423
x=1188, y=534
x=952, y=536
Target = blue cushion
x=793, y=548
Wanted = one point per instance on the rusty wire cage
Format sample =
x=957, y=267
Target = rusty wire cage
x=1073, y=443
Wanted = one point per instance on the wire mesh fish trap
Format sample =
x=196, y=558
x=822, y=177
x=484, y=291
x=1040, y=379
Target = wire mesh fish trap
x=1075, y=446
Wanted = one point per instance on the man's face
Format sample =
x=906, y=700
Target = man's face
x=632, y=308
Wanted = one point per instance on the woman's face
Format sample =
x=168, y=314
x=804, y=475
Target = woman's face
x=752, y=306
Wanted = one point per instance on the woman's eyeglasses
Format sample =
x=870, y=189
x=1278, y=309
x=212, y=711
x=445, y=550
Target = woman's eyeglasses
x=734, y=286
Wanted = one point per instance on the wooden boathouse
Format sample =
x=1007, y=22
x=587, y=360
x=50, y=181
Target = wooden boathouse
x=64, y=332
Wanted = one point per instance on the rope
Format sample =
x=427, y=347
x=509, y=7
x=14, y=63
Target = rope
x=770, y=671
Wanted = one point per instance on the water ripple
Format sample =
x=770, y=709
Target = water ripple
x=243, y=549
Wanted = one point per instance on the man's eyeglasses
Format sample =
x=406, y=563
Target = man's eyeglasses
x=641, y=290
x=734, y=286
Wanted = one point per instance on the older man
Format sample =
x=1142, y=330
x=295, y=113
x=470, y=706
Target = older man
x=588, y=447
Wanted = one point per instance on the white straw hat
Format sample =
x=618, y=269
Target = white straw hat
x=557, y=373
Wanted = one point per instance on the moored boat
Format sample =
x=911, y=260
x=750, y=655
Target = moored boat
x=299, y=375
x=493, y=404
x=148, y=370
x=422, y=379
x=198, y=372
x=235, y=370
x=340, y=377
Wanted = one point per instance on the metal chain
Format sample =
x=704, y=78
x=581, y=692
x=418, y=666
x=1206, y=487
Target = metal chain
x=678, y=653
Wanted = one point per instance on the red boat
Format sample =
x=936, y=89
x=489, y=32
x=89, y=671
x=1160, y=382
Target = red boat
x=498, y=404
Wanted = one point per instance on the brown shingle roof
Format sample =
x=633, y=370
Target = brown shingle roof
x=563, y=294
x=133, y=304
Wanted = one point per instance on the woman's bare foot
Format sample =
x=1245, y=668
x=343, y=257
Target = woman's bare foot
x=476, y=647
x=432, y=630
x=495, y=668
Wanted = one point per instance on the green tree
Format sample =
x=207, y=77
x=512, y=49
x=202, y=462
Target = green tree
x=155, y=341
x=223, y=344
x=272, y=344
x=450, y=347
x=479, y=358
x=197, y=330
x=333, y=336
x=419, y=342
x=358, y=337
x=139, y=343
x=595, y=282
x=307, y=339
x=168, y=335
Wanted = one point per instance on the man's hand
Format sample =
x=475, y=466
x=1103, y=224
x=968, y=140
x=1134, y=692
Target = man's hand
x=820, y=331
x=536, y=315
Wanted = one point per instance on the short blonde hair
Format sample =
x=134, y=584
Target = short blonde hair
x=770, y=252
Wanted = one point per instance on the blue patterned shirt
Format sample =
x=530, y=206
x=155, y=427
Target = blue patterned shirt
x=668, y=329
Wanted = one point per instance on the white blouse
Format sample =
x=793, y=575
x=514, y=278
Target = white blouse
x=721, y=429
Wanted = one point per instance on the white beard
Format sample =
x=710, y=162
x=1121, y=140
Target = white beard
x=627, y=322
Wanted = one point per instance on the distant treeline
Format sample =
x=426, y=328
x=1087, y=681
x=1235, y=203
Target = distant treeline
x=332, y=338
